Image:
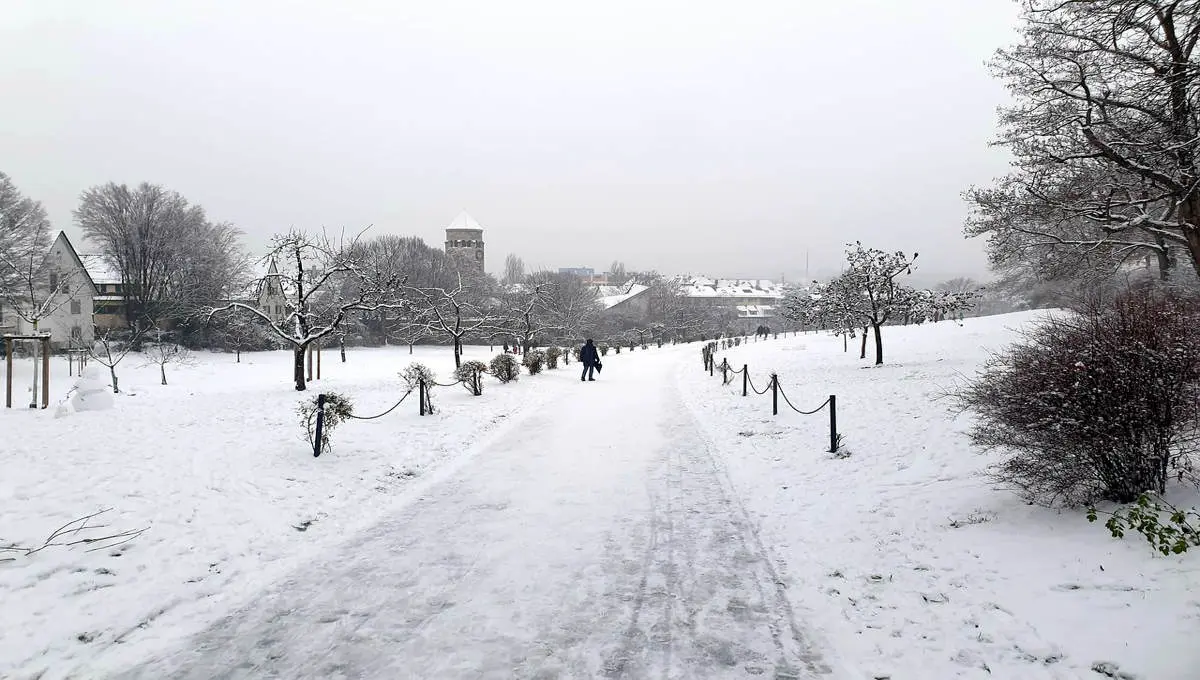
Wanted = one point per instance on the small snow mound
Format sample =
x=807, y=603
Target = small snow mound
x=91, y=393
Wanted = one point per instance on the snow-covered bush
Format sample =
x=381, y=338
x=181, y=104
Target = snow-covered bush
x=552, y=355
x=604, y=349
x=505, y=368
x=414, y=373
x=471, y=374
x=1103, y=404
x=338, y=409
x=534, y=360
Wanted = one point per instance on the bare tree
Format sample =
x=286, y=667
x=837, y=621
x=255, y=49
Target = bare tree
x=32, y=287
x=514, y=269
x=325, y=283
x=457, y=313
x=163, y=351
x=1104, y=131
x=113, y=347
x=169, y=256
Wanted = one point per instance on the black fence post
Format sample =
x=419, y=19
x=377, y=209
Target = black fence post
x=711, y=364
x=774, y=394
x=320, y=425
x=833, y=435
x=421, y=395
x=745, y=379
x=724, y=371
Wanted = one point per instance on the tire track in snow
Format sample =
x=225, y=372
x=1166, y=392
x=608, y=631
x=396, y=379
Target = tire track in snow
x=620, y=554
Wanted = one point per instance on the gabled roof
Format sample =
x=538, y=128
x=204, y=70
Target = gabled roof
x=62, y=236
x=99, y=269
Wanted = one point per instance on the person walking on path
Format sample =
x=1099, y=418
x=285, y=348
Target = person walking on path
x=590, y=358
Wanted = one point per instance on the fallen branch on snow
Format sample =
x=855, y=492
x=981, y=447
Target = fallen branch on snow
x=75, y=532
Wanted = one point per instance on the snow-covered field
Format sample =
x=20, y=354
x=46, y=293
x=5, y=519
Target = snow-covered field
x=215, y=465
x=906, y=556
x=900, y=560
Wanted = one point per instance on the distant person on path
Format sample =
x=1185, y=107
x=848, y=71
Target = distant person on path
x=590, y=357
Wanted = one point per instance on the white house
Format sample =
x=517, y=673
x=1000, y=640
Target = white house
x=66, y=293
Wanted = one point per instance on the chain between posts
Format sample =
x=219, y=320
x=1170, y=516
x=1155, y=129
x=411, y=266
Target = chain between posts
x=776, y=390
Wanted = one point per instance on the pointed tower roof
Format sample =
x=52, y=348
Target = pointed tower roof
x=464, y=221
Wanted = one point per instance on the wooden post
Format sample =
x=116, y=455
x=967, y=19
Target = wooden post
x=8, y=350
x=70, y=364
x=318, y=361
x=745, y=379
x=46, y=372
x=421, y=395
x=724, y=371
x=833, y=435
x=774, y=394
x=320, y=425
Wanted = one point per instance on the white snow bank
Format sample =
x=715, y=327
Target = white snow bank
x=906, y=555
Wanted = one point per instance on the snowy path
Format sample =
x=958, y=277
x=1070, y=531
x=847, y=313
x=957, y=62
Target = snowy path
x=599, y=539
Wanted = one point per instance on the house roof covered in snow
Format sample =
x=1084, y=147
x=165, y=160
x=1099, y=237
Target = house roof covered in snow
x=611, y=296
x=100, y=269
x=701, y=286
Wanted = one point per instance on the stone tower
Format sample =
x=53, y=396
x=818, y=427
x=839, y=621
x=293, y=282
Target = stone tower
x=464, y=241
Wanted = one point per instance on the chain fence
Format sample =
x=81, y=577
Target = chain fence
x=728, y=374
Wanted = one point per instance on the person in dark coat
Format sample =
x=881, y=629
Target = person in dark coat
x=590, y=357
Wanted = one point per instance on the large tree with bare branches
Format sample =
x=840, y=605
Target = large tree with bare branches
x=324, y=282
x=1104, y=131
x=170, y=257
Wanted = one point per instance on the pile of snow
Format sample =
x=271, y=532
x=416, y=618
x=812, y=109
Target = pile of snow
x=903, y=552
x=92, y=392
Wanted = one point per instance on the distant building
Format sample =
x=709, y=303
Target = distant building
x=588, y=274
x=755, y=301
x=464, y=241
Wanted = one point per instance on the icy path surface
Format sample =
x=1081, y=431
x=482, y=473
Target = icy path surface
x=598, y=539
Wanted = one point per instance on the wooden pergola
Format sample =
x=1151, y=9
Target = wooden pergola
x=44, y=338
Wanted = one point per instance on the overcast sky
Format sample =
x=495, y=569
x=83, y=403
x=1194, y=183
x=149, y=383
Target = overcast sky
x=719, y=137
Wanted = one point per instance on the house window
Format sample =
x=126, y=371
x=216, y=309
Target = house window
x=76, y=332
x=278, y=310
x=266, y=309
x=53, y=280
x=66, y=288
x=75, y=307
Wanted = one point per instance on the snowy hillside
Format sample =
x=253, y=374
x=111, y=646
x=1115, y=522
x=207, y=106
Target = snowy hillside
x=914, y=564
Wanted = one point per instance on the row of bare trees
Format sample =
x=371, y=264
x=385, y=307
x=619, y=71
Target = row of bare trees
x=869, y=295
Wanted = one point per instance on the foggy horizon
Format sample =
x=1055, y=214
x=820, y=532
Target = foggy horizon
x=682, y=138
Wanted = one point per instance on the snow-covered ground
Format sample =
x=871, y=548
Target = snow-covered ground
x=908, y=559
x=215, y=465
x=653, y=524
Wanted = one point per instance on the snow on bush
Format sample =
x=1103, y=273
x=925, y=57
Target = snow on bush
x=505, y=368
x=471, y=373
x=1103, y=404
x=338, y=409
x=414, y=373
x=534, y=360
x=552, y=355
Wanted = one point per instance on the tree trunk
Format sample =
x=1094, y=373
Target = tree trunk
x=457, y=352
x=342, y=344
x=878, y=345
x=410, y=347
x=163, y=369
x=863, y=354
x=238, y=352
x=112, y=371
x=298, y=367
